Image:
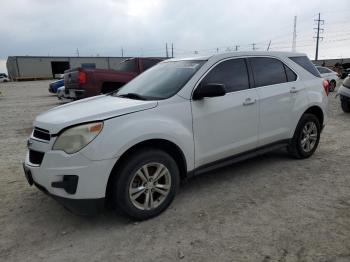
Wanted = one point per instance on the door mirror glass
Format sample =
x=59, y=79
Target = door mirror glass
x=209, y=90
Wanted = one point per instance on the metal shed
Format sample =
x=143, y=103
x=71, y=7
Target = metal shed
x=47, y=67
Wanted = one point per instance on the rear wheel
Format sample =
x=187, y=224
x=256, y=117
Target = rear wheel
x=306, y=137
x=145, y=184
x=345, y=105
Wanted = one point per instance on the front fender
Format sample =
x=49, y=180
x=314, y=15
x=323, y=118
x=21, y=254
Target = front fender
x=121, y=133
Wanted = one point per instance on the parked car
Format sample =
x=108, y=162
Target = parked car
x=4, y=78
x=61, y=92
x=344, y=93
x=178, y=119
x=86, y=82
x=55, y=85
x=331, y=76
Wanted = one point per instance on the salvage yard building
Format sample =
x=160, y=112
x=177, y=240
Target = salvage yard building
x=48, y=67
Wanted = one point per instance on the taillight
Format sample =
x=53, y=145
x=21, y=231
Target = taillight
x=82, y=78
x=326, y=86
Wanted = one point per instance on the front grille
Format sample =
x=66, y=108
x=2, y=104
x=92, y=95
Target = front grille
x=41, y=134
x=35, y=157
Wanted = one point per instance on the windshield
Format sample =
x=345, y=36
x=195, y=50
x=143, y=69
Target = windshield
x=161, y=81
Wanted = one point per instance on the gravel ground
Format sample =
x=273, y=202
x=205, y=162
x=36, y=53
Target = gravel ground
x=270, y=208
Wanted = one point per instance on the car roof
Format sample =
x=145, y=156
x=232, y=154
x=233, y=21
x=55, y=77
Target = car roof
x=240, y=53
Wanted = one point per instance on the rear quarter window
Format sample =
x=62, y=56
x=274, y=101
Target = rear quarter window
x=305, y=63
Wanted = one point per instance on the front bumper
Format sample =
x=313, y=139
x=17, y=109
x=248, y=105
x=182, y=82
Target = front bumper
x=84, y=207
x=73, y=180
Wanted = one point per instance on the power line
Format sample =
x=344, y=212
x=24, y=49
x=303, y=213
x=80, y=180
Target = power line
x=319, y=21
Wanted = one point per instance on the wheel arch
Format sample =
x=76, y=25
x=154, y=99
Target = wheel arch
x=317, y=111
x=167, y=146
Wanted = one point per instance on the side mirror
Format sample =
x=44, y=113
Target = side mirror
x=209, y=90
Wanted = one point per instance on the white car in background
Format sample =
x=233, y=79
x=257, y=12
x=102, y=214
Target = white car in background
x=329, y=75
x=180, y=118
x=4, y=78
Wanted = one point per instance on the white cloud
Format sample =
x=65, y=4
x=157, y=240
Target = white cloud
x=40, y=27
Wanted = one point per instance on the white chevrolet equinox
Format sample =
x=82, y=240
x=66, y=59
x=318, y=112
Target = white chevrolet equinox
x=180, y=118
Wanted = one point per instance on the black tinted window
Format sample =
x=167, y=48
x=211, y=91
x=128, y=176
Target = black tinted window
x=232, y=73
x=147, y=63
x=291, y=76
x=268, y=71
x=305, y=63
x=128, y=66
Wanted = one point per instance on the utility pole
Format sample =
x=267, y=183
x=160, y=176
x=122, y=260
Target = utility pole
x=166, y=50
x=254, y=46
x=172, y=50
x=319, y=21
x=77, y=52
x=268, y=47
x=294, y=44
x=236, y=47
x=122, y=52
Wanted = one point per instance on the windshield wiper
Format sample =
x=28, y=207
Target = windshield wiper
x=132, y=96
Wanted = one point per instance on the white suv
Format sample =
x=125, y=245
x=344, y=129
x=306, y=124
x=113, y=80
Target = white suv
x=180, y=118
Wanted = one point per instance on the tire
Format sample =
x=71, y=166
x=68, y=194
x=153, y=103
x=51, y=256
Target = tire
x=298, y=147
x=332, y=85
x=131, y=186
x=345, y=105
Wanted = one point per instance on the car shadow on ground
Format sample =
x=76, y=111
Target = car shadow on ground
x=193, y=186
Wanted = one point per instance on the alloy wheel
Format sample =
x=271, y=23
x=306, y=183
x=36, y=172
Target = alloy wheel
x=150, y=186
x=309, y=136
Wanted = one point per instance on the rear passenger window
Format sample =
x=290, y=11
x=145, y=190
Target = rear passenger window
x=291, y=76
x=232, y=73
x=268, y=71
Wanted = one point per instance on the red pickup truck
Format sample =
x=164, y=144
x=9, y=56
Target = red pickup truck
x=82, y=82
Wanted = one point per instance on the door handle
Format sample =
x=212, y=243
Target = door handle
x=294, y=90
x=249, y=101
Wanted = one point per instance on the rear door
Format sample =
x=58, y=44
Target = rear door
x=227, y=125
x=277, y=91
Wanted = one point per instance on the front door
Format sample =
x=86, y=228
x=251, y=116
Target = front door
x=227, y=125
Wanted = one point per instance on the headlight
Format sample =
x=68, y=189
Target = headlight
x=75, y=138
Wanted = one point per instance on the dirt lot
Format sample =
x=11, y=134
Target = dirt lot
x=271, y=208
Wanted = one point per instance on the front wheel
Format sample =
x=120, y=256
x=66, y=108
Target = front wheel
x=306, y=137
x=145, y=184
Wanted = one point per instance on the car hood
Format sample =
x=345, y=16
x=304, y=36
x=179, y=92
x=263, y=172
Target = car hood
x=89, y=109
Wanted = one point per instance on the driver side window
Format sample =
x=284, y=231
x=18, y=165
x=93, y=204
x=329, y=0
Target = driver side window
x=231, y=73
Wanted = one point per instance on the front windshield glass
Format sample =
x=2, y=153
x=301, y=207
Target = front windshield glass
x=161, y=81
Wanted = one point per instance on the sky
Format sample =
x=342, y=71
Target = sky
x=143, y=27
